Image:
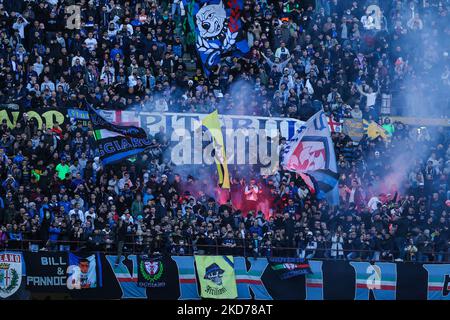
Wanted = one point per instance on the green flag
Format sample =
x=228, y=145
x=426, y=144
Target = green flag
x=216, y=276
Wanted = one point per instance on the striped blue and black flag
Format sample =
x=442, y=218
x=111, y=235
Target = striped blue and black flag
x=289, y=267
x=115, y=142
x=322, y=183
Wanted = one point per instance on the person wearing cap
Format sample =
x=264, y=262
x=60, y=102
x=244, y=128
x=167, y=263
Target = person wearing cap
x=311, y=245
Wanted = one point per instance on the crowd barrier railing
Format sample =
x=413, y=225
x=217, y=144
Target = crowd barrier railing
x=242, y=247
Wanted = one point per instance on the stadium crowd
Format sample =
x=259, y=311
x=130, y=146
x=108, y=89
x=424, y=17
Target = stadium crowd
x=56, y=194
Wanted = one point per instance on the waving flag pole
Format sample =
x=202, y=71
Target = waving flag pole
x=217, y=30
x=310, y=153
x=211, y=122
x=117, y=142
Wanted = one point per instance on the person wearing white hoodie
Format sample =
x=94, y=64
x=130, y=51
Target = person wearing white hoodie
x=20, y=25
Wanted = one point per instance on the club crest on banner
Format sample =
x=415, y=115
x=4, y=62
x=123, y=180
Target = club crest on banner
x=212, y=22
x=10, y=274
x=152, y=268
x=309, y=155
x=211, y=19
x=151, y=271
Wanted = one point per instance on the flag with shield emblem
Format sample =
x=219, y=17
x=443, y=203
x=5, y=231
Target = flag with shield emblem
x=310, y=153
x=151, y=272
x=10, y=273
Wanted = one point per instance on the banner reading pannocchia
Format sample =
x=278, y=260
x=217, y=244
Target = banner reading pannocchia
x=47, y=271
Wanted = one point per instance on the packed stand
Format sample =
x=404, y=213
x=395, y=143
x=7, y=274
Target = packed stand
x=56, y=195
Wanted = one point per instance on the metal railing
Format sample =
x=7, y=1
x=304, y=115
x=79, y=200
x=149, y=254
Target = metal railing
x=241, y=247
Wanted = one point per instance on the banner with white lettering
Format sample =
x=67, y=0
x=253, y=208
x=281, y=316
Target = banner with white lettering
x=47, y=271
x=254, y=278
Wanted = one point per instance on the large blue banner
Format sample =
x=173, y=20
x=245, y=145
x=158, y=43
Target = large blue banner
x=255, y=279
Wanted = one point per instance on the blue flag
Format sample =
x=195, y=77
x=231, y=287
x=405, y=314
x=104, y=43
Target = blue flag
x=218, y=29
x=115, y=142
